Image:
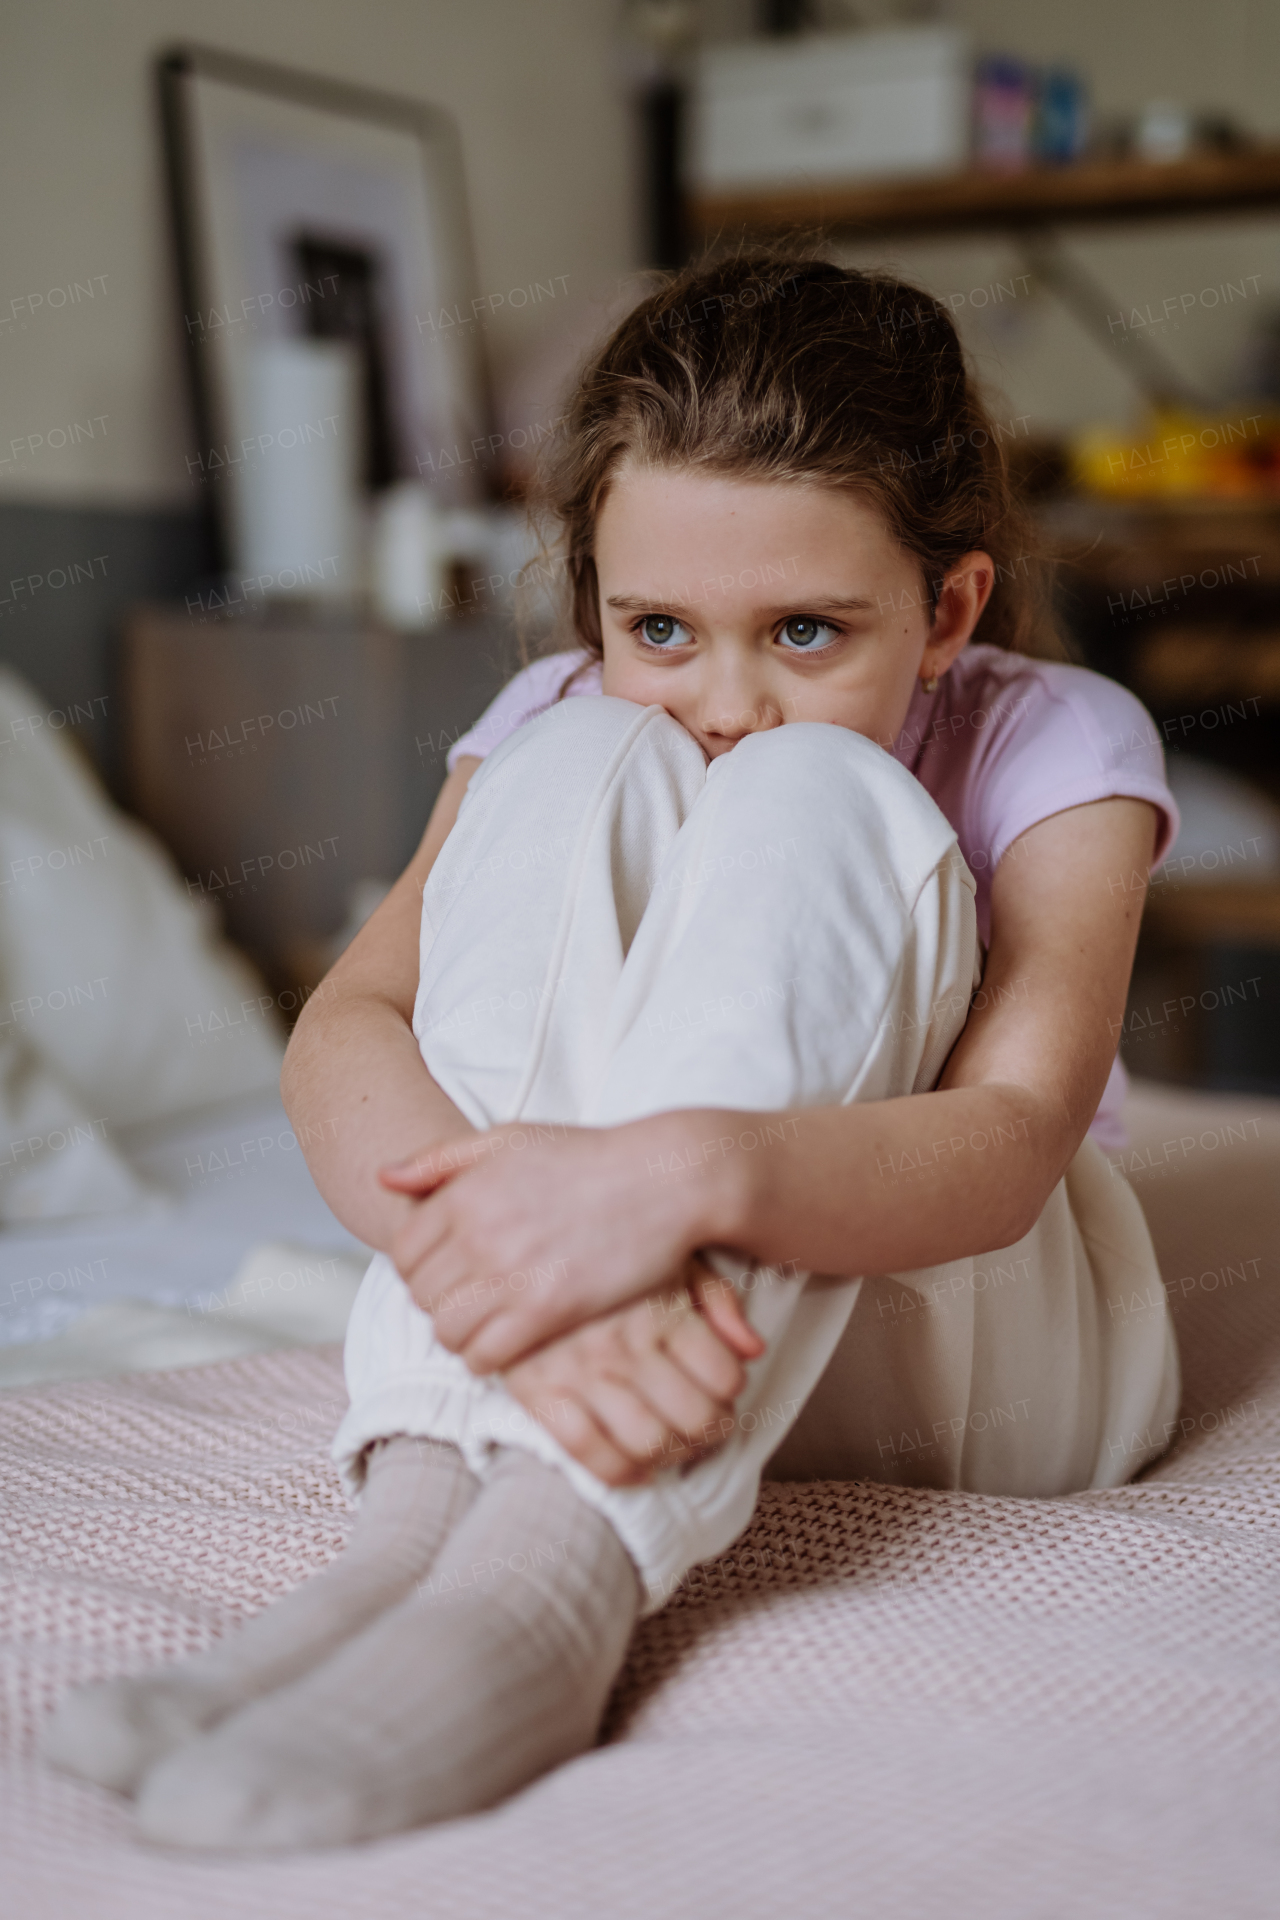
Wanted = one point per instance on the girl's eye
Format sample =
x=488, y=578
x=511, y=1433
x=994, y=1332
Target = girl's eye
x=660, y=630
x=807, y=636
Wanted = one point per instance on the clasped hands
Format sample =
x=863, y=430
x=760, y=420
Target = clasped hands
x=549, y=1255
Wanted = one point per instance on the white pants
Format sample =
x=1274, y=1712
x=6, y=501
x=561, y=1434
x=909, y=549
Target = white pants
x=614, y=929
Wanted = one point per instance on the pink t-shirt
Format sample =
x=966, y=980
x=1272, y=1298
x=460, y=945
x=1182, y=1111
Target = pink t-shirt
x=1003, y=743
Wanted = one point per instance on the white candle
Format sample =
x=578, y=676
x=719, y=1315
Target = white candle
x=298, y=509
x=411, y=551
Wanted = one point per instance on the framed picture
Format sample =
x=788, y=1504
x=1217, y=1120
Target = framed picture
x=322, y=236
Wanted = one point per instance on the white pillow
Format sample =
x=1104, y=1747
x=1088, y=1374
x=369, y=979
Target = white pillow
x=55, y=1156
x=111, y=974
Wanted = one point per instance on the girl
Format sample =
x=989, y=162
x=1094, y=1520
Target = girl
x=677, y=1016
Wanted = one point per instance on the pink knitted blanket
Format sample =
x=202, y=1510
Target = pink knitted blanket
x=879, y=1702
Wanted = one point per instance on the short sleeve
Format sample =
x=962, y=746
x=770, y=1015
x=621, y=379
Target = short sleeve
x=1077, y=737
x=538, y=687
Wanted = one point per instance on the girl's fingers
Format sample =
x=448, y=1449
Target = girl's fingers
x=700, y=1354
x=568, y=1418
x=635, y=1394
x=442, y=1278
x=439, y=1285
x=690, y=1414
x=497, y=1340
x=628, y=1419
x=423, y=1234
x=424, y=1171
x=675, y=1321
x=444, y=1284
x=631, y=1411
x=410, y=1177
x=693, y=1421
x=719, y=1304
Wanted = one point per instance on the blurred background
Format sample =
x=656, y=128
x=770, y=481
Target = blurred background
x=293, y=294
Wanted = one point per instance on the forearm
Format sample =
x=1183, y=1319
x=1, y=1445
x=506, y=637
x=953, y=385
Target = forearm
x=358, y=1096
x=882, y=1187
x=605, y=1215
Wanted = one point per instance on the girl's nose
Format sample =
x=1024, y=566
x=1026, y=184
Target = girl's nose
x=729, y=714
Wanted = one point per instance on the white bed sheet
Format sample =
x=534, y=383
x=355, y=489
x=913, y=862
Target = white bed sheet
x=224, y=1181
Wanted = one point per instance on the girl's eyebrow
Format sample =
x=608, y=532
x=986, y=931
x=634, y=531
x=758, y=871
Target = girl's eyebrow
x=633, y=603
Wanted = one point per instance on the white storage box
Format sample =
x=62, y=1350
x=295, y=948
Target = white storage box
x=830, y=107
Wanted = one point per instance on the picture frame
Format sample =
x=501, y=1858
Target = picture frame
x=320, y=231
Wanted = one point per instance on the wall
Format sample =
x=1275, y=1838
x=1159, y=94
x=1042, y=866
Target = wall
x=546, y=141
x=547, y=138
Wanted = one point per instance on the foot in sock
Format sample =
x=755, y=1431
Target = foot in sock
x=415, y=1494
x=495, y=1669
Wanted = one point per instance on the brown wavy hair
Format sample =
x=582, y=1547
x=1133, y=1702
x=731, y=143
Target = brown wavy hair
x=775, y=365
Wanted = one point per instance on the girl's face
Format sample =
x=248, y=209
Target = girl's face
x=742, y=605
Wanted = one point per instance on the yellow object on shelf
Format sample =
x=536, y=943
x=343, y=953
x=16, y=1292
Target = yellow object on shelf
x=1181, y=454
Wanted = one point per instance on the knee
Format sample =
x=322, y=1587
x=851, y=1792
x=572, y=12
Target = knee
x=814, y=769
x=591, y=731
x=842, y=791
x=807, y=747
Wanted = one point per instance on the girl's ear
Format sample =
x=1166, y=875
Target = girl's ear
x=966, y=590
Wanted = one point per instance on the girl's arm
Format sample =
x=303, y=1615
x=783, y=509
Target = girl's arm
x=353, y=1081
x=881, y=1187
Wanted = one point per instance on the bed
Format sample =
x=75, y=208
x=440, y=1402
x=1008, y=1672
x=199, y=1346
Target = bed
x=879, y=1701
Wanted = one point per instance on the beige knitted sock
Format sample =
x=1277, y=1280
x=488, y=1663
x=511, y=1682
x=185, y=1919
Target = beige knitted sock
x=415, y=1494
x=495, y=1669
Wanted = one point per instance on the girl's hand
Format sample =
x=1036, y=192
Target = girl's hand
x=649, y=1387
x=527, y=1232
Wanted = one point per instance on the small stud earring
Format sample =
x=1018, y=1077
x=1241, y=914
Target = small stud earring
x=931, y=684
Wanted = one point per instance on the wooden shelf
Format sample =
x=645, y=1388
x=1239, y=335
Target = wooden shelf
x=1090, y=190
